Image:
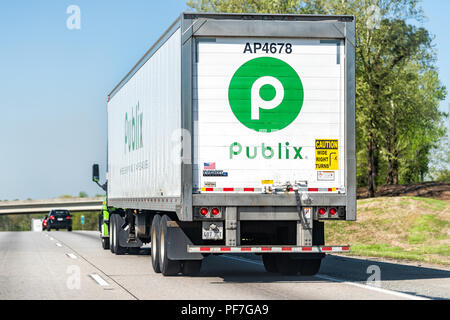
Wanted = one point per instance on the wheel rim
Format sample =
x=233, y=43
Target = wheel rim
x=154, y=258
x=162, y=246
x=113, y=235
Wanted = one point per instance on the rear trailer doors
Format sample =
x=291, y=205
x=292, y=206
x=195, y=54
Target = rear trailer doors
x=269, y=113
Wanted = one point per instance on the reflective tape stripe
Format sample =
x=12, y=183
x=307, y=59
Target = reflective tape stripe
x=249, y=189
x=265, y=249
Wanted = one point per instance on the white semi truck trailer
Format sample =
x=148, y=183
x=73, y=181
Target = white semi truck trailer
x=234, y=134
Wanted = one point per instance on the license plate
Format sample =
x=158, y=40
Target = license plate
x=60, y=219
x=212, y=230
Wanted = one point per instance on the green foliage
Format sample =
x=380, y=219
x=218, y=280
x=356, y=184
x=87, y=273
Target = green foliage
x=440, y=161
x=22, y=222
x=83, y=194
x=17, y=222
x=397, y=89
x=410, y=228
x=90, y=220
x=65, y=196
x=426, y=227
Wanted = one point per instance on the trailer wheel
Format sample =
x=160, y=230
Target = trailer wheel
x=270, y=262
x=118, y=249
x=168, y=267
x=154, y=234
x=191, y=267
x=310, y=267
x=287, y=266
x=105, y=243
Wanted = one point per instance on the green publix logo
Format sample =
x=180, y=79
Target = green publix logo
x=266, y=95
x=267, y=152
x=133, y=129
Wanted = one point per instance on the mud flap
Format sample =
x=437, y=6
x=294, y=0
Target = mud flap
x=177, y=242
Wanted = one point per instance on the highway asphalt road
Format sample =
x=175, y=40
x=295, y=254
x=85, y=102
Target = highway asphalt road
x=72, y=265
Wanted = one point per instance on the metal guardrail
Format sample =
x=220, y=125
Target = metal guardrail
x=44, y=206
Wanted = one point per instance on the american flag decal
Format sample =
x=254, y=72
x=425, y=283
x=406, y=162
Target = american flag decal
x=210, y=166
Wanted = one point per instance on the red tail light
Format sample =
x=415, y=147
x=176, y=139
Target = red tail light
x=215, y=211
x=51, y=218
x=68, y=217
x=333, y=211
x=203, y=211
x=322, y=211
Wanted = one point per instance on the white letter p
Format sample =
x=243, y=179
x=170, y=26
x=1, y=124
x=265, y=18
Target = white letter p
x=259, y=103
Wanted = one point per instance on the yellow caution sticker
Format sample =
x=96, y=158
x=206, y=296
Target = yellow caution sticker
x=267, y=181
x=327, y=154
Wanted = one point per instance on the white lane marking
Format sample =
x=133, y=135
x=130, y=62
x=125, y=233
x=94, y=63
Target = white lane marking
x=71, y=255
x=51, y=238
x=99, y=280
x=359, y=285
x=365, y=286
x=59, y=244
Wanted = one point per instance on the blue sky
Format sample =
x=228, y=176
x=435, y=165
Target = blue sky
x=54, y=82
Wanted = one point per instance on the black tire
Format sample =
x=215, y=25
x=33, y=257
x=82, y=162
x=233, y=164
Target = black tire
x=154, y=233
x=168, y=267
x=69, y=229
x=191, y=267
x=287, y=266
x=105, y=243
x=134, y=250
x=270, y=262
x=48, y=229
x=118, y=249
x=112, y=235
x=310, y=267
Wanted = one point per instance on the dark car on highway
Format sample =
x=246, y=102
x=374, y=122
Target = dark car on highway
x=59, y=219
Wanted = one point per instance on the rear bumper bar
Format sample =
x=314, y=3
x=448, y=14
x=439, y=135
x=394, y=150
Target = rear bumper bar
x=267, y=249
